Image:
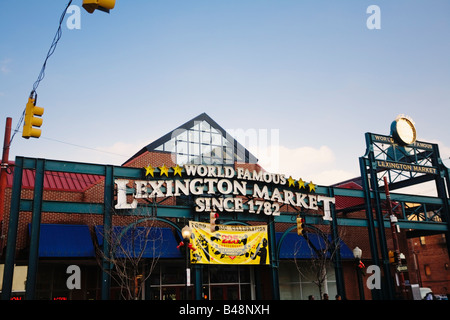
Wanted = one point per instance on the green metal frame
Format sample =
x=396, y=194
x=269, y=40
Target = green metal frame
x=403, y=167
x=37, y=205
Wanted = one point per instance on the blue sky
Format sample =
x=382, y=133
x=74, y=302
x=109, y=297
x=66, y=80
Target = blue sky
x=310, y=70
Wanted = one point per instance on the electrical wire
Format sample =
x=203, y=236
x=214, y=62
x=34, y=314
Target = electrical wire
x=41, y=75
x=83, y=147
x=52, y=49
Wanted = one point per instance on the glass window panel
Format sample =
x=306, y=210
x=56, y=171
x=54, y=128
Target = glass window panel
x=196, y=126
x=182, y=159
x=216, y=139
x=227, y=153
x=183, y=136
x=206, y=137
x=173, y=274
x=194, y=136
x=244, y=274
x=289, y=291
x=194, y=149
x=205, y=126
x=240, y=156
x=195, y=159
x=246, y=292
x=154, y=277
x=215, y=152
x=223, y=274
x=182, y=147
x=309, y=288
x=206, y=149
x=214, y=130
x=206, y=160
x=288, y=272
x=170, y=145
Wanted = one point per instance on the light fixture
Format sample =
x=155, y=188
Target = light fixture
x=357, y=253
x=186, y=232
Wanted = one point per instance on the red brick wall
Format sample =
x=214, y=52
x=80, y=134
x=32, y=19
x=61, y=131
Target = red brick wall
x=432, y=262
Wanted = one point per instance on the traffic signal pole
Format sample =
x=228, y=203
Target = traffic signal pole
x=3, y=173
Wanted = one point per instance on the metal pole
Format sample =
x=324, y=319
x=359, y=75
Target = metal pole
x=12, y=230
x=35, y=230
x=188, y=271
x=107, y=226
x=273, y=260
x=3, y=173
x=393, y=220
x=376, y=293
x=360, y=280
x=340, y=283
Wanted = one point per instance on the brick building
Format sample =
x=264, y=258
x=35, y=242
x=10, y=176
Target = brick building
x=76, y=238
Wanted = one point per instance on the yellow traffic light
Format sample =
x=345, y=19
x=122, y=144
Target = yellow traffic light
x=102, y=5
x=31, y=121
x=300, y=226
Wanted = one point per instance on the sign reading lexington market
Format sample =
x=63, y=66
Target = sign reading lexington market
x=267, y=191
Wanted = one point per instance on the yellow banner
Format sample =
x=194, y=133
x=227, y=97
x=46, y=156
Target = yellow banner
x=231, y=244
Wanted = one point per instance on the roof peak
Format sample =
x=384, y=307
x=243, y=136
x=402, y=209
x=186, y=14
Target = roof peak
x=200, y=140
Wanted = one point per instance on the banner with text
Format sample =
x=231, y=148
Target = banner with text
x=231, y=244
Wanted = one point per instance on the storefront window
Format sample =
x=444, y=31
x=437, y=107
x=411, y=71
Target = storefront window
x=299, y=285
x=51, y=283
x=219, y=282
x=228, y=282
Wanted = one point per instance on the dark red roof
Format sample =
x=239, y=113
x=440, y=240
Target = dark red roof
x=58, y=181
x=343, y=202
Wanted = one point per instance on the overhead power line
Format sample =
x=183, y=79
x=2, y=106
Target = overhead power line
x=41, y=75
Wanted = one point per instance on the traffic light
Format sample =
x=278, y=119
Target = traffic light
x=102, y=5
x=391, y=256
x=30, y=121
x=300, y=226
x=213, y=216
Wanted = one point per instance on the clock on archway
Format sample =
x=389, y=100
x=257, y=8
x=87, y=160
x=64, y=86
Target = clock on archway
x=403, y=130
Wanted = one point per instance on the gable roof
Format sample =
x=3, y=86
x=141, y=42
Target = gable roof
x=202, y=124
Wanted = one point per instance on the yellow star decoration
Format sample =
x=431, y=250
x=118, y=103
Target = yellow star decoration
x=291, y=181
x=301, y=183
x=149, y=170
x=164, y=170
x=312, y=186
x=177, y=170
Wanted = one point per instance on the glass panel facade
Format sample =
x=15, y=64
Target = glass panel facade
x=202, y=144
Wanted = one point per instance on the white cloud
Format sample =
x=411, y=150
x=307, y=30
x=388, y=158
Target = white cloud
x=4, y=66
x=308, y=163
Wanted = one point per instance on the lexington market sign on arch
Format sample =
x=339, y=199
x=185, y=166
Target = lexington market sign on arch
x=222, y=188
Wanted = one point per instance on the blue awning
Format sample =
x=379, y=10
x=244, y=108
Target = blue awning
x=146, y=242
x=295, y=246
x=65, y=240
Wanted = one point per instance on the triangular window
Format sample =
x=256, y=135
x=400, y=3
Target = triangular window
x=201, y=141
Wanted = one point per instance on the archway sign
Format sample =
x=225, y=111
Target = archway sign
x=405, y=163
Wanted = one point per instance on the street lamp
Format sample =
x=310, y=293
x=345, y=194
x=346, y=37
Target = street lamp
x=357, y=253
x=186, y=233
